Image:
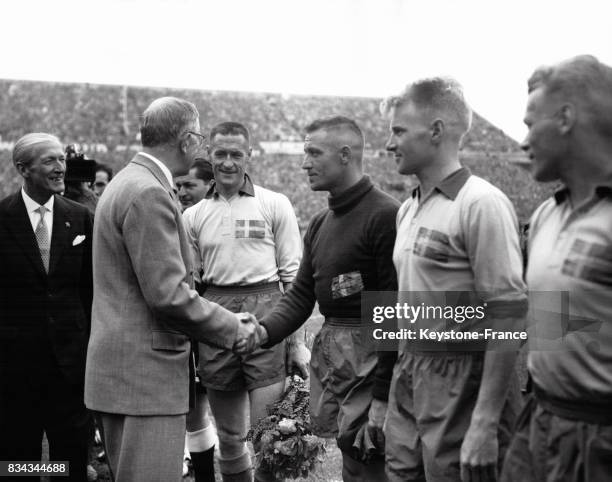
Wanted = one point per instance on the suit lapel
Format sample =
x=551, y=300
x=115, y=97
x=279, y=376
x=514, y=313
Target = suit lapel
x=155, y=170
x=183, y=236
x=21, y=228
x=59, y=236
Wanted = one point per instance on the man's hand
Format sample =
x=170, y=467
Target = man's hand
x=250, y=334
x=247, y=326
x=376, y=419
x=479, y=453
x=298, y=358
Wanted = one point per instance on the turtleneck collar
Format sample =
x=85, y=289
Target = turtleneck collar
x=351, y=196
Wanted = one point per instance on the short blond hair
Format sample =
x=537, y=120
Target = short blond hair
x=443, y=96
x=584, y=81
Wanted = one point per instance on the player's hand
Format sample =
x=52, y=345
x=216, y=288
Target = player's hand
x=479, y=453
x=250, y=334
x=246, y=330
x=298, y=359
x=376, y=420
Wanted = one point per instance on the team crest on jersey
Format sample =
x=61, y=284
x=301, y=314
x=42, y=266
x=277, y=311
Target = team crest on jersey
x=431, y=244
x=250, y=228
x=589, y=261
x=346, y=284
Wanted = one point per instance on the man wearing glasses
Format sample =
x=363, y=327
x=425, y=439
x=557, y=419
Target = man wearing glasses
x=138, y=374
x=248, y=241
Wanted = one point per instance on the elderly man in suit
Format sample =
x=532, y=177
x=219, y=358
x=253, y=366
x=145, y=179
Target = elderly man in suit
x=45, y=307
x=139, y=369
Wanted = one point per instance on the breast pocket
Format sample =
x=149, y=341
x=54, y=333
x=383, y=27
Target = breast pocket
x=169, y=340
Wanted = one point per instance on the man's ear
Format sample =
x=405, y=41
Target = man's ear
x=437, y=131
x=22, y=169
x=346, y=154
x=566, y=118
x=183, y=144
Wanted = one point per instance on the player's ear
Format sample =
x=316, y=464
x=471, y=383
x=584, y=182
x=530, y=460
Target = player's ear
x=566, y=118
x=437, y=131
x=346, y=154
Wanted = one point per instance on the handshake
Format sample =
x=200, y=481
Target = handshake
x=250, y=335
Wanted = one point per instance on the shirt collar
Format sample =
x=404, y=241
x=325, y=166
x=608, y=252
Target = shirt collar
x=603, y=191
x=350, y=197
x=450, y=185
x=161, y=165
x=32, y=205
x=247, y=188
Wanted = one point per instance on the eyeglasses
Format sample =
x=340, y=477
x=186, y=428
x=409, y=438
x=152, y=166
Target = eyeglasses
x=200, y=138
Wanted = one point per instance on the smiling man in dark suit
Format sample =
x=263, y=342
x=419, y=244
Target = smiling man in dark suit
x=45, y=309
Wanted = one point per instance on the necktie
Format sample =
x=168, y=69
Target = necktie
x=42, y=236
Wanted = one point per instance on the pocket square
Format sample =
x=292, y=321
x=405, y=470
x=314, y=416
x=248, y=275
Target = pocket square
x=78, y=239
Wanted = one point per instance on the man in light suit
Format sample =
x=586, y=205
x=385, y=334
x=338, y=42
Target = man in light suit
x=45, y=307
x=139, y=369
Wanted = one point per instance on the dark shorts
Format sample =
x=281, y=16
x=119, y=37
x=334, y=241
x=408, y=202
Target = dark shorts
x=341, y=380
x=221, y=369
x=551, y=448
x=431, y=400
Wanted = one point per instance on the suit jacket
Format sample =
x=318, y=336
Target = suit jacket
x=45, y=318
x=144, y=307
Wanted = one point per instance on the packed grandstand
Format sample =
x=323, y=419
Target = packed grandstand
x=104, y=121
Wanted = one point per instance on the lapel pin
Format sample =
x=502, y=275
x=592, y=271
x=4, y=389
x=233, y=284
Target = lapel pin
x=67, y=224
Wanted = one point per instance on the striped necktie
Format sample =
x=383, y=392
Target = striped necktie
x=42, y=236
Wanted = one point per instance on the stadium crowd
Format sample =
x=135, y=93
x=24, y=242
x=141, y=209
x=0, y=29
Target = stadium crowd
x=147, y=300
x=67, y=108
x=103, y=120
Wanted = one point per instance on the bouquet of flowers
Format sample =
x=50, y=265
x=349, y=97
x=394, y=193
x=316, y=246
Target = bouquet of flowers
x=287, y=446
